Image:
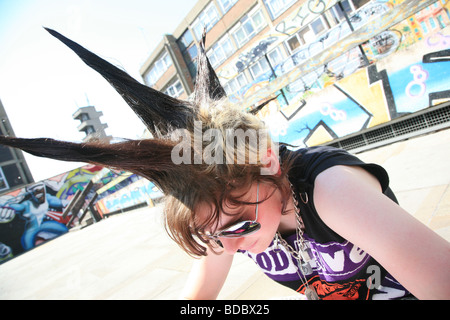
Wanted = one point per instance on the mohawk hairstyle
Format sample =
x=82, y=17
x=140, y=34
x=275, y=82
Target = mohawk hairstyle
x=184, y=185
x=157, y=110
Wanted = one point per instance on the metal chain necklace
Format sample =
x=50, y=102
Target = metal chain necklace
x=303, y=255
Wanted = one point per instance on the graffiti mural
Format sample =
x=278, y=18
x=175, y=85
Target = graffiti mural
x=34, y=214
x=139, y=192
x=299, y=23
x=403, y=83
x=401, y=68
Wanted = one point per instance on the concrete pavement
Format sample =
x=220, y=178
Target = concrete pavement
x=129, y=256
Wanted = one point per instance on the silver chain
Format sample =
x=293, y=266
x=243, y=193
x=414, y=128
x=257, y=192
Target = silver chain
x=310, y=293
x=299, y=229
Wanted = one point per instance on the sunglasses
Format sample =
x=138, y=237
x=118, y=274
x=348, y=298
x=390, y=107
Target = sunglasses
x=241, y=228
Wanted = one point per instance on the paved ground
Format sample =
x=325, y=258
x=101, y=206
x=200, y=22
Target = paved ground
x=129, y=256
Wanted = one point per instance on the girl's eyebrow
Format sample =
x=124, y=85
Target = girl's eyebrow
x=236, y=207
x=238, y=214
x=237, y=210
x=234, y=221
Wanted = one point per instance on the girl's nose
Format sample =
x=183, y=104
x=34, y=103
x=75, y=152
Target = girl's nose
x=231, y=245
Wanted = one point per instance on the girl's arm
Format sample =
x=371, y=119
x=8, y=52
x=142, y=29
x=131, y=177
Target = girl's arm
x=349, y=200
x=207, y=276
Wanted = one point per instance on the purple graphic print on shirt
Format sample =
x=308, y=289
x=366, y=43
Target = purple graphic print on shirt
x=338, y=270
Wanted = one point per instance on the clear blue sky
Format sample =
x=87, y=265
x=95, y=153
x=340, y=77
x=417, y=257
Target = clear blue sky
x=42, y=83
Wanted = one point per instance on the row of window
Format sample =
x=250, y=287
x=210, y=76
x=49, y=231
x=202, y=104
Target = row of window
x=210, y=15
x=175, y=89
x=244, y=30
x=305, y=36
x=328, y=20
x=248, y=26
x=428, y=22
x=9, y=174
x=238, y=36
x=158, y=69
x=206, y=19
x=259, y=68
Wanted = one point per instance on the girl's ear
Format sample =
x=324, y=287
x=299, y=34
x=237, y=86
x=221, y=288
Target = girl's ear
x=271, y=163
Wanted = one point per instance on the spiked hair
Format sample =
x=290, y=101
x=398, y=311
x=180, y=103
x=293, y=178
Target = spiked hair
x=185, y=185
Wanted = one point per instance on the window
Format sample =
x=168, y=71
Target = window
x=277, y=7
x=5, y=154
x=358, y=3
x=175, y=89
x=206, y=19
x=248, y=27
x=318, y=26
x=424, y=26
x=336, y=14
x=275, y=57
x=347, y=5
x=301, y=38
x=293, y=43
x=89, y=130
x=158, y=69
x=220, y=51
x=432, y=23
x=84, y=117
x=226, y=5
x=3, y=182
x=441, y=22
x=235, y=84
x=190, y=57
x=262, y=66
x=185, y=40
x=12, y=175
x=189, y=51
x=166, y=62
x=151, y=77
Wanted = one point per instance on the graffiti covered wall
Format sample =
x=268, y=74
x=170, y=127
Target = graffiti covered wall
x=34, y=214
x=398, y=71
x=139, y=192
x=403, y=83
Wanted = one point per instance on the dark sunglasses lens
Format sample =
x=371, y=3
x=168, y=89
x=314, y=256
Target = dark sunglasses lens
x=240, y=229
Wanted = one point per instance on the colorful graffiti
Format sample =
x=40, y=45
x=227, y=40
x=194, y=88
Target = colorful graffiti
x=34, y=214
x=400, y=69
x=403, y=83
x=139, y=192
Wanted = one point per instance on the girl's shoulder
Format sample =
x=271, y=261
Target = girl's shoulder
x=309, y=162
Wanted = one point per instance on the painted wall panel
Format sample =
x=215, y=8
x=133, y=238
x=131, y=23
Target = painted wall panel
x=408, y=70
x=34, y=214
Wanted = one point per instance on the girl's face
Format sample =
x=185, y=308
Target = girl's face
x=269, y=217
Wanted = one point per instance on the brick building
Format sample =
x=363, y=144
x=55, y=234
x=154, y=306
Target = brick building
x=245, y=40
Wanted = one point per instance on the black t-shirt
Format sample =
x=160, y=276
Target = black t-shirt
x=310, y=162
x=339, y=270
